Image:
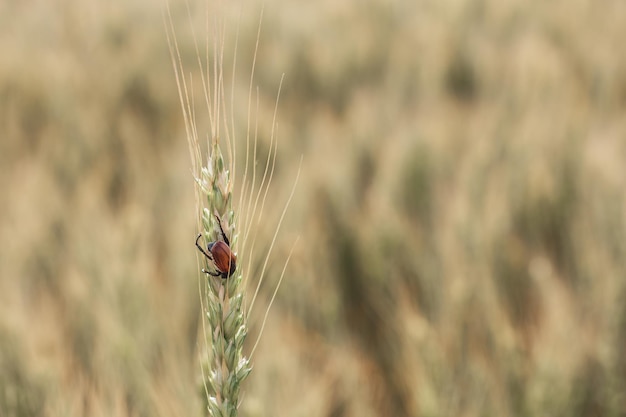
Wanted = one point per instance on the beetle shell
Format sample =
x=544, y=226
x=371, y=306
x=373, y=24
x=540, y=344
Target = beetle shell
x=223, y=258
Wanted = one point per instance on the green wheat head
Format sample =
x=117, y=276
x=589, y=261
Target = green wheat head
x=225, y=310
x=226, y=367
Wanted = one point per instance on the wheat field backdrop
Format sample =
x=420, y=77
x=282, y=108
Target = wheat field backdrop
x=461, y=207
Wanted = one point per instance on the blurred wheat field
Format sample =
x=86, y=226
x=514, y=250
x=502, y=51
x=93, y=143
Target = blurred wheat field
x=461, y=209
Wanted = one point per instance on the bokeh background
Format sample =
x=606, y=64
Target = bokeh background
x=461, y=208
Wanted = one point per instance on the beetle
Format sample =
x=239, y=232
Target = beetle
x=220, y=254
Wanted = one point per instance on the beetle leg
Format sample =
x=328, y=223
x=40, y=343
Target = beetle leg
x=219, y=222
x=215, y=274
x=202, y=250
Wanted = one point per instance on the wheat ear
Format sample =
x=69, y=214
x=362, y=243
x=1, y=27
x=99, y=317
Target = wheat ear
x=225, y=315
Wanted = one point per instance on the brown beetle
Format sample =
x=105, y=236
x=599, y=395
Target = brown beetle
x=220, y=254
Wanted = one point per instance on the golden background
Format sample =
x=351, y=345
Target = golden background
x=461, y=207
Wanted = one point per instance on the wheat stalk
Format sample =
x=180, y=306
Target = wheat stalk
x=225, y=318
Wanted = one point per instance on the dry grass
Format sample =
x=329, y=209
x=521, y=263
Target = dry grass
x=461, y=209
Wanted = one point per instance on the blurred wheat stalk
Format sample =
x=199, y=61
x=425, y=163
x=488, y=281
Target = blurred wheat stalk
x=225, y=318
